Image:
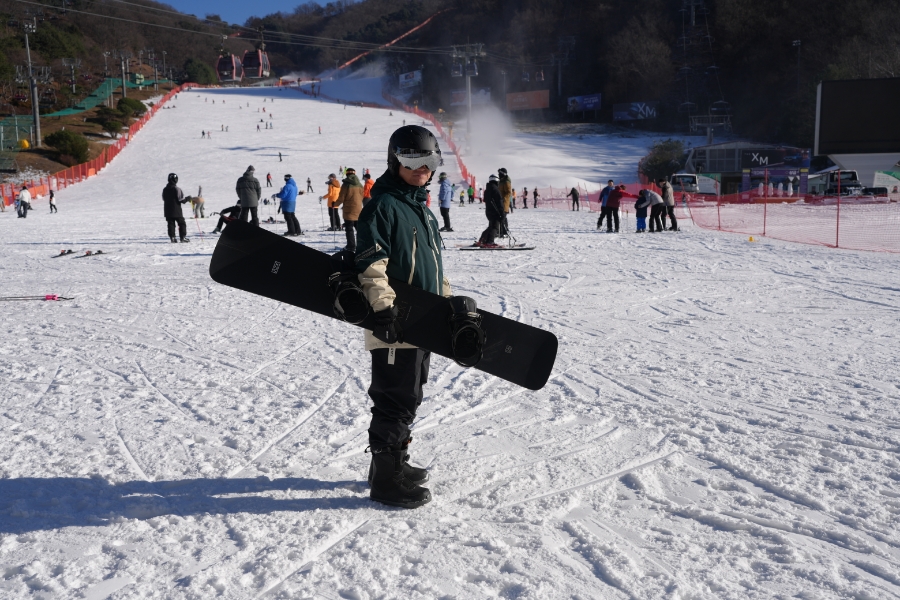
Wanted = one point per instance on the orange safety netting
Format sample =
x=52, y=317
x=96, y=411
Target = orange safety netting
x=78, y=173
x=856, y=223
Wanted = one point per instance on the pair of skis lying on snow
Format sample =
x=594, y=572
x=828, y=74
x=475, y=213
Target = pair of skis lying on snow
x=264, y=263
x=85, y=255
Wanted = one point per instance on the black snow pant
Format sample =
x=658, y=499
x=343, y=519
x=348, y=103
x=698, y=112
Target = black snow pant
x=335, y=218
x=249, y=213
x=445, y=212
x=575, y=204
x=396, y=393
x=489, y=234
x=309, y=187
x=182, y=227
x=669, y=210
x=292, y=223
x=350, y=229
x=655, y=211
x=24, y=207
x=604, y=214
x=53, y=208
x=612, y=214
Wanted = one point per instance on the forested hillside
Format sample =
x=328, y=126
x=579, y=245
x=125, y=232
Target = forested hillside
x=742, y=52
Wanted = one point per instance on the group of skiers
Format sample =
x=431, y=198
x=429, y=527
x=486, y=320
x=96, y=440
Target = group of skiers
x=23, y=203
x=660, y=207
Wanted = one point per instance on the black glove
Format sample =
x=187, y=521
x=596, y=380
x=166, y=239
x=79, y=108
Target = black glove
x=388, y=329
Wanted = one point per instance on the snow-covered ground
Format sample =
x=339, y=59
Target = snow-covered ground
x=722, y=421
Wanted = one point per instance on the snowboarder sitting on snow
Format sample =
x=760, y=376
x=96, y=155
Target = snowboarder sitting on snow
x=226, y=216
x=351, y=197
x=445, y=196
x=173, y=198
x=249, y=191
x=398, y=237
x=493, y=210
x=288, y=196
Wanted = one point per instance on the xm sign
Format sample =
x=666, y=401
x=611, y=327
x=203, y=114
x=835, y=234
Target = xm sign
x=635, y=111
x=755, y=158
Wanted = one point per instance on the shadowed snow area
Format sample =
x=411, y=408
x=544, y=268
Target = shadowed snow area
x=722, y=420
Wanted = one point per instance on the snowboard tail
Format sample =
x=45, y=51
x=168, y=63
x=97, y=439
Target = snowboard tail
x=254, y=260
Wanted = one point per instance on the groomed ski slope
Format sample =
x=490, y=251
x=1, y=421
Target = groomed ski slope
x=722, y=421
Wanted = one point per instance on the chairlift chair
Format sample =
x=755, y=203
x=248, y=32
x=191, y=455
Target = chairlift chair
x=526, y=76
x=456, y=70
x=720, y=108
x=471, y=68
x=539, y=75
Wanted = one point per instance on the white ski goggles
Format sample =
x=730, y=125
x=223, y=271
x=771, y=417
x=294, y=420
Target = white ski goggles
x=416, y=159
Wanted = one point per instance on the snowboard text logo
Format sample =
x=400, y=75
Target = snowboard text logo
x=275, y=267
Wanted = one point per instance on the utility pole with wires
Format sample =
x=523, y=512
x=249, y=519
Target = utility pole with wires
x=467, y=54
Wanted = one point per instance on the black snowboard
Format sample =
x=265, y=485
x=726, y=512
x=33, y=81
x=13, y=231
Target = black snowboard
x=260, y=262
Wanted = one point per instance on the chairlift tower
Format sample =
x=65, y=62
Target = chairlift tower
x=72, y=63
x=467, y=54
x=565, y=46
x=702, y=101
x=31, y=27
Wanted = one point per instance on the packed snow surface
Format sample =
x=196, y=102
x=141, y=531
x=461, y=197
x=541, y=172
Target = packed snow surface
x=722, y=420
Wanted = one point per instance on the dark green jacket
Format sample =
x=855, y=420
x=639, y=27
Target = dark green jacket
x=397, y=225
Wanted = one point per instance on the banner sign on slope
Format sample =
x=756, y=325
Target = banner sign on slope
x=479, y=96
x=634, y=111
x=581, y=103
x=528, y=100
x=411, y=79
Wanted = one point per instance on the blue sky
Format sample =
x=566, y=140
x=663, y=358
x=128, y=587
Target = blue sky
x=234, y=11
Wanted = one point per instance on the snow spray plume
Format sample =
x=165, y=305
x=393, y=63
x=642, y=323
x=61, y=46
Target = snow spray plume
x=491, y=130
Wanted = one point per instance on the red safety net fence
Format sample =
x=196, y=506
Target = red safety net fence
x=855, y=223
x=63, y=179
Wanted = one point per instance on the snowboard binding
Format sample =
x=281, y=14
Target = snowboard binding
x=466, y=336
x=350, y=303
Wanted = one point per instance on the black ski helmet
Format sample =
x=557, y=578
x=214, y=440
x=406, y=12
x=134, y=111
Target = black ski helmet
x=173, y=178
x=413, y=137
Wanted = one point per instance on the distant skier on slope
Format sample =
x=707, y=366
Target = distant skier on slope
x=173, y=198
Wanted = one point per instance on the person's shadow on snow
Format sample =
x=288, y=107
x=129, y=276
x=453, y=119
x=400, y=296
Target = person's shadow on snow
x=32, y=503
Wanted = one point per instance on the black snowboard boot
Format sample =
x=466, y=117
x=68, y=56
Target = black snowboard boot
x=174, y=240
x=416, y=475
x=185, y=240
x=389, y=485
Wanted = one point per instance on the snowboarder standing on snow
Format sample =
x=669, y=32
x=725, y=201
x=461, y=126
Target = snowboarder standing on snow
x=604, y=211
x=368, y=182
x=351, y=198
x=173, y=198
x=524, y=197
x=334, y=190
x=268, y=180
x=471, y=193
x=534, y=197
x=668, y=196
x=249, y=191
x=445, y=196
x=24, y=203
x=575, y=203
x=493, y=210
x=288, y=197
x=52, y=202
x=390, y=248
x=309, y=185
x=657, y=206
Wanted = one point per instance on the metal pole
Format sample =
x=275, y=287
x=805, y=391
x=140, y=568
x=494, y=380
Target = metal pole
x=35, y=109
x=73, y=77
x=164, y=63
x=837, y=233
x=124, y=90
x=469, y=102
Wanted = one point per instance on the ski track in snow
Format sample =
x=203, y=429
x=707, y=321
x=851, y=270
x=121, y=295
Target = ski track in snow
x=721, y=422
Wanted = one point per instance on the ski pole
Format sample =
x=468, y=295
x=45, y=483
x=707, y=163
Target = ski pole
x=44, y=297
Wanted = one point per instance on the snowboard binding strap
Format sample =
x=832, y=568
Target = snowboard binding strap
x=466, y=336
x=350, y=303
